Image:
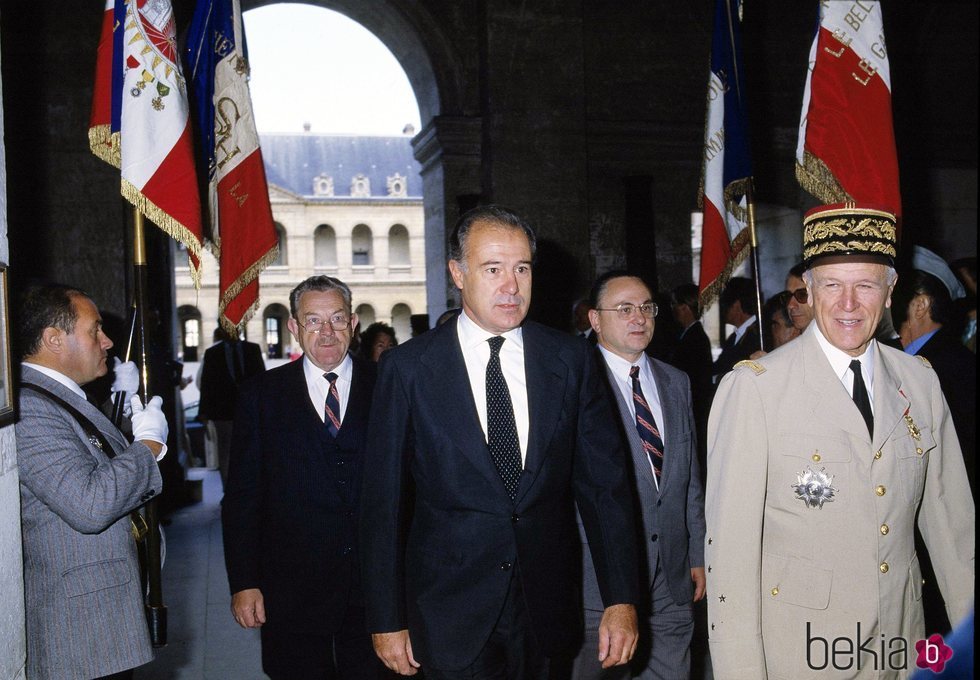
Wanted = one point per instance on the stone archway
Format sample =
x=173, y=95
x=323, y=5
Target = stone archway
x=449, y=145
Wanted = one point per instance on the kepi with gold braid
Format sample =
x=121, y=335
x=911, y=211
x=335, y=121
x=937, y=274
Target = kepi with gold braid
x=851, y=231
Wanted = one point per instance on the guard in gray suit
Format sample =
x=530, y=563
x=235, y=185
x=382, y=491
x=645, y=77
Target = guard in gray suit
x=657, y=421
x=79, y=480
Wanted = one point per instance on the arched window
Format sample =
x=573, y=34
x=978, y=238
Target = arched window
x=274, y=320
x=361, y=238
x=401, y=321
x=365, y=315
x=190, y=331
x=398, y=254
x=324, y=246
x=281, y=234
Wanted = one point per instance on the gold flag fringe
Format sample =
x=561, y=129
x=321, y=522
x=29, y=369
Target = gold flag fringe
x=105, y=144
x=740, y=246
x=168, y=224
x=238, y=285
x=816, y=178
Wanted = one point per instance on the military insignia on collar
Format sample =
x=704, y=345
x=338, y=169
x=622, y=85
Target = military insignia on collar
x=94, y=441
x=814, y=487
x=913, y=430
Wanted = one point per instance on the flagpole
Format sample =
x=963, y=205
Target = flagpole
x=156, y=612
x=756, y=272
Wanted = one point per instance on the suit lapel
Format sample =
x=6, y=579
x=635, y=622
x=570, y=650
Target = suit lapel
x=546, y=377
x=673, y=416
x=447, y=389
x=890, y=403
x=641, y=463
x=296, y=400
x=358, y=405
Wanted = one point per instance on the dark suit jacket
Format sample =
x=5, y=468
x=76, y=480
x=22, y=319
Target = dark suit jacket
x=956, y=367
x=439, y=534
x=289, y=512
x=670, y=522
x=692, y=354
x=219, y=388
x=731, y=353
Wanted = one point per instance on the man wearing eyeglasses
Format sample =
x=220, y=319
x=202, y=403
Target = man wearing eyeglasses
x=656, y=422
x=798, y=305
x=823, y=458
x=289, y=512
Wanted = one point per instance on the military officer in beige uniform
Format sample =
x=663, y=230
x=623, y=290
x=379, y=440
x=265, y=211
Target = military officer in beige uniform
x=820, y=456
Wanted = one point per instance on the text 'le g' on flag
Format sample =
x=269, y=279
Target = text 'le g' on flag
x=140, y=120
x=726, y=172
x=242, y=233
x=846, y=148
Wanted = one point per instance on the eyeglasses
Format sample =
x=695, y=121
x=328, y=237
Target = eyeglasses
x=625, y=310
x=315, y=325
x=800, y=295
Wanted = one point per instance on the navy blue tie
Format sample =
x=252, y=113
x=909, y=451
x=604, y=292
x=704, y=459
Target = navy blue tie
x=505, y=447
x=646, y=425
x=331, y=408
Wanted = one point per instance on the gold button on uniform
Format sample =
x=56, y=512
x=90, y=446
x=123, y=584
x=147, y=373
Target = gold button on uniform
x=880, y=490
x=816, y=458
x=878, y=454
x=775, y=591
x=918, y=450
x=884, y=529
x=883, y=567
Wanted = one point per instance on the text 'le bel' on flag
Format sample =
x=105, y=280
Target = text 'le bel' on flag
x=140, y=123
x=242, y=233
x=726, y=172
x=846, y=148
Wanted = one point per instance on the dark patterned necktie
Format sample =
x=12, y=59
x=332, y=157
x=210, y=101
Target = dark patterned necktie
x=331, y=408
x=646, y=425
x=860, y=396
x=505, y=447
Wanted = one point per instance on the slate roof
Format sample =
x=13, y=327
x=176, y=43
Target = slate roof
x=293, y=160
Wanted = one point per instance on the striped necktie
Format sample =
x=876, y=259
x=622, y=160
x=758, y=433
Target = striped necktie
x=331, y=408
x=646, y=425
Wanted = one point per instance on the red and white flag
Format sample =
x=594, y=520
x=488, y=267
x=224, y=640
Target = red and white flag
x=846, y=149
x=243, y=235
x=726, y=175
x=140, y=119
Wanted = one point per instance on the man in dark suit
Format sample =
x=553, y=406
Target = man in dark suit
x=226, y=364
x=739, y=308
x=485, y=433
x=79, y=480
x=580, y=321
x=657, y=423
x=692, y=354
x=290, y=510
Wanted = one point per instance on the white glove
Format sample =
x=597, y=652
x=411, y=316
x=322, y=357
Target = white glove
x=127, y=377
x=149, y=422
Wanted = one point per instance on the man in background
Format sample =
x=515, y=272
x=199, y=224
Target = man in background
x=739, y=309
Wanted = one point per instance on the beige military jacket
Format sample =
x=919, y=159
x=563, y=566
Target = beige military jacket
x=812, y=570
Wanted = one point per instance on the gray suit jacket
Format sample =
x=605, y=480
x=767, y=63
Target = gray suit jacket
x=81, y=575
x=671, y=521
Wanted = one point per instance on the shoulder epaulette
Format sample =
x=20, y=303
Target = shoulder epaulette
x=756, y=367
x=924, y=361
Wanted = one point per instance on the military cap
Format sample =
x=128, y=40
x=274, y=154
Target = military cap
x=849, y=231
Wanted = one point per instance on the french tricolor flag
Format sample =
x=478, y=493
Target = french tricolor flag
x=726, y=176
x=140, y=121
x=242, y=233
x=846, y=148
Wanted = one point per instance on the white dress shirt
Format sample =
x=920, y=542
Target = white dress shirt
x=318, y=386
x=476, y=354
x=840, y=362
x=621, y=369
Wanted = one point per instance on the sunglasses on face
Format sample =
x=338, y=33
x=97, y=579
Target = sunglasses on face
x=800, y=295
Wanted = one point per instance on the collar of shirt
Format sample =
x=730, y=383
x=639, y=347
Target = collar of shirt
x=476, y=355
x=60, y=377
x=917, y=344
x=840, y=363
x=621, y=369
x=740, y=331
x=318, y=386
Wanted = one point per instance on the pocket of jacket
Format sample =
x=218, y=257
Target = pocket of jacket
x=90, y=578
x=791, y=580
